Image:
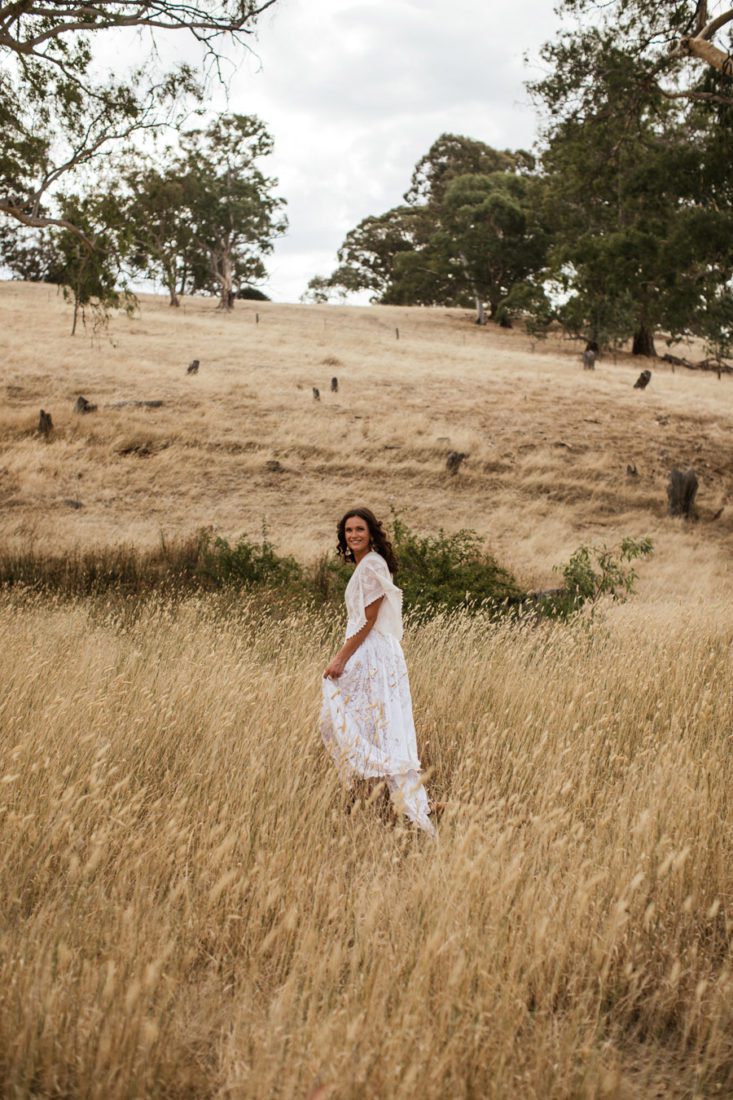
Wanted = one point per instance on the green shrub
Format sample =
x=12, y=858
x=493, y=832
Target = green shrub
x=449, y=571
x=246, y=564
x=596, y=571
x=327, y=579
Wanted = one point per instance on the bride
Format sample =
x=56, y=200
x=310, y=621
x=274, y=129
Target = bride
x=366, y=719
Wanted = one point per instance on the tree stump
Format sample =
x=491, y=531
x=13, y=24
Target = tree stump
x=334, y=385
x=681, y=492
x=193, y=367
x=45, y=424
x=316, y=394
x=589, y=359
x=82, y=406
x=643, y=380
x=454, y=460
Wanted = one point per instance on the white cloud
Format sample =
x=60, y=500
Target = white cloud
x=354, y=93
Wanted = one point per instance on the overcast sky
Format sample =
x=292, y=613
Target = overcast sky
x=355, y=91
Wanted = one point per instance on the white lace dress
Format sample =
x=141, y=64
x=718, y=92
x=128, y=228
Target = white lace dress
x=366, y=719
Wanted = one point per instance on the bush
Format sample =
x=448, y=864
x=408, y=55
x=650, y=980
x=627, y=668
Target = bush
x=596, y=571
x=246, y=564
x=252, y=294
x=449, y=571
x=437, y=572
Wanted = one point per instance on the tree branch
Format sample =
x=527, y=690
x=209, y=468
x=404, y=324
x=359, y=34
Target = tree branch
x=715, y=24
x=699, y=45
x=709, y=97
x=40, y=221
x=162, y=15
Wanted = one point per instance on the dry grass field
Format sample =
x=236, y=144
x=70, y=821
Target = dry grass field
x=188, y=910
x=548, y=444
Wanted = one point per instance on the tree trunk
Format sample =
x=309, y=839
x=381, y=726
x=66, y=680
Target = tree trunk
x=480, y=312
x=171, y=286
x=76, y=314
x=226, y=297
x=644, y=342
x=706, y=51
x=681, y=491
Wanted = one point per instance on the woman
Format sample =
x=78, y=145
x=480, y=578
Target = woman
x=366, y=720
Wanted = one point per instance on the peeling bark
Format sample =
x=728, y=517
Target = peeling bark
x=706, y=51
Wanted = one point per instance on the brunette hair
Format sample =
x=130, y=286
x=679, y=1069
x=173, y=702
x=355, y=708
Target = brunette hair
x=377, y=537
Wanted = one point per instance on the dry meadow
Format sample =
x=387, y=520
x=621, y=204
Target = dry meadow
x=188, y=909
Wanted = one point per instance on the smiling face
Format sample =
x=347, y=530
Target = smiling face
x=356, y=533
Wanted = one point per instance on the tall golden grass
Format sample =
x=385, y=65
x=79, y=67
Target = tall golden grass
x=188, y=910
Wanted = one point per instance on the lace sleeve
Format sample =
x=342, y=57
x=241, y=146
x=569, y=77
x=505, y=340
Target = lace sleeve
x=372, y=584
x=370, y=581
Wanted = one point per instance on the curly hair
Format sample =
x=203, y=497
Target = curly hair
x=377, y=537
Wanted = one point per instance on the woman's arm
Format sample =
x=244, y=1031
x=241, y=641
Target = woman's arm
x=350, y=646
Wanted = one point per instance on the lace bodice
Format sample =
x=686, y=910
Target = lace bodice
x=370, y=580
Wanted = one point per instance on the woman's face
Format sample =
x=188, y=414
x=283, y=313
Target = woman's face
x=356, y=532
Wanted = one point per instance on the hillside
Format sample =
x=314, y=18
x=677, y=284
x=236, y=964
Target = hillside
x=548, y=443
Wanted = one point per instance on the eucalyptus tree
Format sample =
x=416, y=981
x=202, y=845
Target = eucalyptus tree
x=234, y=214
x=681, y=49
x=638, y=165
x=57, y=115
x=157, y=212
x=467, y=233
x=91, y=258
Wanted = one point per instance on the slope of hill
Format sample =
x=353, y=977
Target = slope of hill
x=243, y=443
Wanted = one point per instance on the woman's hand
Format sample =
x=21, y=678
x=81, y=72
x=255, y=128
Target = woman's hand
x=335, y=668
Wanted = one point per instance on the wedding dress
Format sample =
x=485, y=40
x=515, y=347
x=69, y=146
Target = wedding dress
x=366, y=718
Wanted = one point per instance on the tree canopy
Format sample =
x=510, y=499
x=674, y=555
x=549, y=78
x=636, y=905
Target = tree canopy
x=466, y=234
x=678, y=51
x=638, y=174
x=621, y=227
x=56, y=115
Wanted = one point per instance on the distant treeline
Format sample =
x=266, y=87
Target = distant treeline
x=620, y=224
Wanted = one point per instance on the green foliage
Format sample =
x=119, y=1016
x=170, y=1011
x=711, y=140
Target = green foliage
x=246, y=564
x=494, y=233
x=638, y=182
x=203, y=216
x=437, y=572
x=468, y=234
x=59, y=115
x=596, y=571
x=443, y=571
x=90, y=268
x=453, y=155
x=320, y=290
x=252, y=294
x=160, y=223
x=29, y=254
